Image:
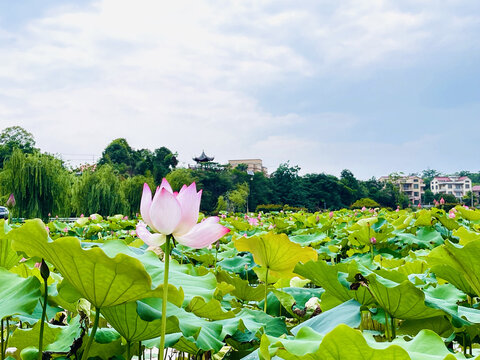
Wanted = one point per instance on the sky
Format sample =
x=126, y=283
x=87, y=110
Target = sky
x=372, y=86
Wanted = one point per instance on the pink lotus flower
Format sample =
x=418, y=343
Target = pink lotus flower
x=330, y=214
x=81, y=215
x=176, y=214
x=253, y=221
x=364, y=208
x=451, y=215
x=65, y=229
x=373, y=240
x=419, y=206
x=442, y=201
x=11, y=201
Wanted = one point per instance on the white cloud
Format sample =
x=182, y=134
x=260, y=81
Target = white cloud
x=186, y=74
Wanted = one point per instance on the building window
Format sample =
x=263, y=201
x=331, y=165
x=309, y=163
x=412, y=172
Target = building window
x=415, y=193
x=449, y=186
x=415, y=186
x=467, y=186
x=415, y=180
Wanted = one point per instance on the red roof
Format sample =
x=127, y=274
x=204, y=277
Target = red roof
x=442, y=178
x=476, y=188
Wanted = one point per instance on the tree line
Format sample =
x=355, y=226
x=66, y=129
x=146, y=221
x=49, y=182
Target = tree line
x=44, y=186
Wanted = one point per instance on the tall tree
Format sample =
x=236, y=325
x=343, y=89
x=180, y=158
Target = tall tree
x=164, y=161
x=15, y=137
x=286, y=185
x=119, y=154
x=39, y=182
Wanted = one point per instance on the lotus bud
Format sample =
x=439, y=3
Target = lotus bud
x=44, y=270
x=373, y=240
x=11, y=201
x=442, y=201
x=217, y=245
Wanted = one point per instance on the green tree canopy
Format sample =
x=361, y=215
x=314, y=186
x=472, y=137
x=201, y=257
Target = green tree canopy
x=39, y=182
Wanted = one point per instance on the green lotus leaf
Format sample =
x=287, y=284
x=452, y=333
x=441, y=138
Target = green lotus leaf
x=466, y=235
x=402, y=301
x=471, y=215
x=243, y=290
x=423, y=218
x=328, y=277
x=255, y=322
x=210, y=310
x=8, y=257
x=441, y=325
x=445, y=267
x=101, y=279
x=450, y=224
x=341, y=343
x=185, y=276
x=465, y=260
x=18, y=296
x=276, y=252
x=23, y=338
x=205, y=334
x=426, y=345
x=290, y=298
x=347, y=313
x=309, y=239
x=64, y=340
x=127, y=322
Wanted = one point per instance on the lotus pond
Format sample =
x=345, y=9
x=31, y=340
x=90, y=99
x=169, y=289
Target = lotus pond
x=372, y=284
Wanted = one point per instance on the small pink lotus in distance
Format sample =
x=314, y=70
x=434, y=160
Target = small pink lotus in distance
x=330, y=214
x=169, y=213
x=419, y=206
x=364, y=208
x=442, y=201
x=451, y=215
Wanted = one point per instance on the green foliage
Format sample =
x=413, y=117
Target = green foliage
x=15, y=137
x=99, y=192
x=179, y=177
x=132, y=188
x=39, y=182
x=269, y=207
x=365, y=202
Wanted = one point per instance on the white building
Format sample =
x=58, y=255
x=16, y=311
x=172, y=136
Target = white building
x=411, y=186
x=457, y=186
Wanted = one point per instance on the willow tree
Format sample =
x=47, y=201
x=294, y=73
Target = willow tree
x=132, y=188
x=98, y=192
x=39, y=182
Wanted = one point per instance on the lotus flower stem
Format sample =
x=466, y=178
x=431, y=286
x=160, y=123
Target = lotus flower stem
x=394, y=335
x=92, y=334
x=164, y=300
x=129, y=356
x=387, y=332
x=2, y=344
x=140, y=350
x=8, y=335
x=42, y=321
x=266, y=291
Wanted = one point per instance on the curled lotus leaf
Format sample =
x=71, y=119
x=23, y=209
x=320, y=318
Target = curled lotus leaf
x=101, y=279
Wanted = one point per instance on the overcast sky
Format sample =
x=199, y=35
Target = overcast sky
x=369, y=85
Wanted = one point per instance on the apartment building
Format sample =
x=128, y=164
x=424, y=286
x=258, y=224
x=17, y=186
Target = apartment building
x=458, y=186
x=254, y=165
x=411, y=186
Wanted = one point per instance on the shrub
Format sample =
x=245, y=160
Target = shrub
x=269, y=207
x=367, y=202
